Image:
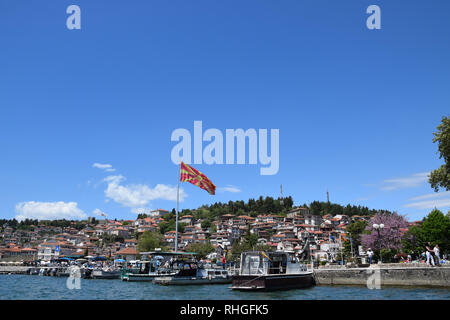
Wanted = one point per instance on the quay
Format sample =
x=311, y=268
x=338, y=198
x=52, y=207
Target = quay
x=413, y=274
x=62, y=271
x=14, y=270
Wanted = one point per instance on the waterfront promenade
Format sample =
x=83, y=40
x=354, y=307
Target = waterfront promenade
x=13, y=269
x=412, y=274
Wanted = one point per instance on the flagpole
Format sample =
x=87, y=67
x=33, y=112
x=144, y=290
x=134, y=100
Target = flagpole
x=176, y=217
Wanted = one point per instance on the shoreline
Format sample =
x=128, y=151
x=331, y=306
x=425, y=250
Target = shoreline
x=376, y=275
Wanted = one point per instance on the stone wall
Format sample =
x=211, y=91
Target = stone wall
x=13, y=269
x=386, y=276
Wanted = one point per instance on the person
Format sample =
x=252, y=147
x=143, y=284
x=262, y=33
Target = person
x=224, y=262
x=437, y=254
x=429, y=251
x=370, y=255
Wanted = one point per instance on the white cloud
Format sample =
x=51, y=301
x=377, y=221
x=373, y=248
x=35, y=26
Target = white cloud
x=411, y=181
x=229, y=188
x=138, y=195
x=141, y=210
x=431, y=200
x=362, y=199
x=429, y=204
x=432, y=196
x=107, y=167
x=99, y=213
x=49, y=210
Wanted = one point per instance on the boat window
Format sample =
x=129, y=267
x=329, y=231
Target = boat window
x=253, y=264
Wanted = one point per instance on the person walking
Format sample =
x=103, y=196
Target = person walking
x=370, y=255
x=437, y=254
x=429, y=251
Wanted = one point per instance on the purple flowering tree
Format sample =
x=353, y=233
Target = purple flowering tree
x=390, y=236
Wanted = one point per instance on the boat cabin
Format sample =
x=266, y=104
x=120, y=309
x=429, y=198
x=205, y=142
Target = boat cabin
x=262, y=263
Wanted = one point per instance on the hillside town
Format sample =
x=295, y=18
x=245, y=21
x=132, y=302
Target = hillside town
x=118, y=239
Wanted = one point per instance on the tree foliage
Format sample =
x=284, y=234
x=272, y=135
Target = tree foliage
x=249, y=242
x=201, y=249
x=390, y=237
x=440, y=178
x=355, y=231
x=322, y=208
x=148, y=241
x=435, y=228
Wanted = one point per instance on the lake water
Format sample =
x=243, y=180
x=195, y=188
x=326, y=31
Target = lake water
x=26, y=287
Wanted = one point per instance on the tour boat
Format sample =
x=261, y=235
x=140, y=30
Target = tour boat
x=153, y=265
x=271, y=271
x=147, y=272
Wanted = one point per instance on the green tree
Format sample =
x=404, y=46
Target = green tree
x=440, y=178
x=355, y=230
x=201, y=249
x=206, y=224
x=435, y=228
x=148, y=241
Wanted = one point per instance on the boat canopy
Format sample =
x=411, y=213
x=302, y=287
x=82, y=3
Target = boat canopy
x=99, y=259
x=64, y=259
x=75, y=256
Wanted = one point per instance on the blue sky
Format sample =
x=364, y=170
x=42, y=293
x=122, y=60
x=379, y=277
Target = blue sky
x=355, y=108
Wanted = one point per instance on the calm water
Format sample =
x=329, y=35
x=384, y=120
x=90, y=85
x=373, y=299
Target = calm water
x=36, y=287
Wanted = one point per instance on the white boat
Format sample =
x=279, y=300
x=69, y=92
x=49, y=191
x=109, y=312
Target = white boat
x=105, y=273
x=271, y=271
x=153, y=265
x=196, y=276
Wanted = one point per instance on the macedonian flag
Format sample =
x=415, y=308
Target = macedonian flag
x=197, y=178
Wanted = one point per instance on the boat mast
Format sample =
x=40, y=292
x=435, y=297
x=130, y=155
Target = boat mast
x=281, y=192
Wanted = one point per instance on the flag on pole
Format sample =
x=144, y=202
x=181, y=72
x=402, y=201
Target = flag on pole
x=189, y=174
x=265, y=255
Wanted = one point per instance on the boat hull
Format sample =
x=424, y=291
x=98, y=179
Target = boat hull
x=138, y=277
x=105, y=275
x=190, y=281
x=272, y=282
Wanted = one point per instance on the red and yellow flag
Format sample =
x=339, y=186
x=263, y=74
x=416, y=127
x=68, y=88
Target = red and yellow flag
x=189, y=174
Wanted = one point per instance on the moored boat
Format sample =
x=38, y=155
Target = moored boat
x=153, y=265
x=192, y=274
x=105, y=273
x=271, y=271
